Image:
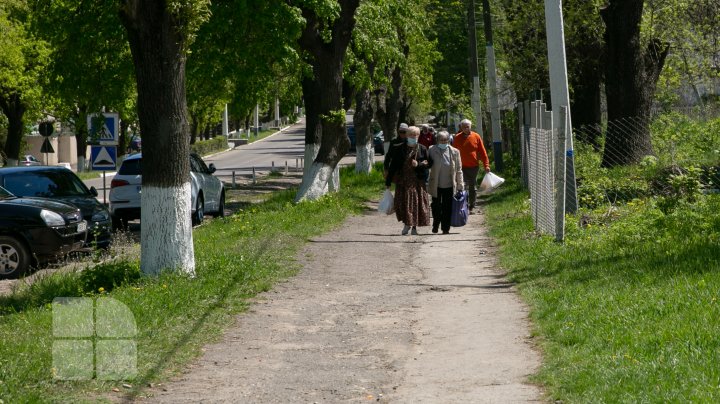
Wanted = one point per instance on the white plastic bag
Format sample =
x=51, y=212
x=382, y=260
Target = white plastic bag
x=490, y=183
x=386, y=204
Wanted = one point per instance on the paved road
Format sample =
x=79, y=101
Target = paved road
x=284, y=146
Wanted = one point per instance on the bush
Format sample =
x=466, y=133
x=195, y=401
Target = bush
x=204, y=147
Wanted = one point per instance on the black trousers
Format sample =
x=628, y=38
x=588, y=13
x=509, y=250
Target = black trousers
x=442, y=208
x=470, y=175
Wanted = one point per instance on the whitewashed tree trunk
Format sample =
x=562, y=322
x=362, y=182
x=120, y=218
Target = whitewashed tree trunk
x=315, y=183
x=334, y=181
x=166, y=237
x=81, y=164
x=311, y=151
x=365, y=159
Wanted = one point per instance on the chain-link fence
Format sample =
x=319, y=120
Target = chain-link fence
x=633, y=158
x=672, y=157
x=544, y=168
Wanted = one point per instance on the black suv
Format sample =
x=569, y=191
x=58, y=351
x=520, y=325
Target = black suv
x=61, y=184
x=34, y=231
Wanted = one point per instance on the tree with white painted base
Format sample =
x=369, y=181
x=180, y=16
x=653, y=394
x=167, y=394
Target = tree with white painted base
x=159, y=34
x=325, y=39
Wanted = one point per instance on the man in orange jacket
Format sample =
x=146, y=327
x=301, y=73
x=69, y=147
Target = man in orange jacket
x=472, y=152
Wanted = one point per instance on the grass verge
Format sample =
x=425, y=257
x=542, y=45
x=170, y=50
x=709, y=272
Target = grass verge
x=236, y=258
x=626, y=310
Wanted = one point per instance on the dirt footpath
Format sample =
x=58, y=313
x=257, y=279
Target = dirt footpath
x=375, y=316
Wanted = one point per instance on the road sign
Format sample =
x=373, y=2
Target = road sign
x=46, y=129
x=103, y=158
x=47, y=147
x=104, y=129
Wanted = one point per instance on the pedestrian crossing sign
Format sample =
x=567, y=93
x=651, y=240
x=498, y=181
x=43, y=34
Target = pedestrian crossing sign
x=103, y=158
x=104, y=129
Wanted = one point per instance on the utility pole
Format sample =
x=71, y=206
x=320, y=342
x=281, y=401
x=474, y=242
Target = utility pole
x=559, y=93
x=474, y=68
x=257, y=119
x=492, y=87
x=225, y=122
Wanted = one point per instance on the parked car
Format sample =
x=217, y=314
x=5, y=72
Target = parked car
x=29, y=160
x=34, y=231
x=61, y=184
x=378, y=140
x=207, y=191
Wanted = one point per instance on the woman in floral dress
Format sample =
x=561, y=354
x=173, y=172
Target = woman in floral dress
x=411, y=162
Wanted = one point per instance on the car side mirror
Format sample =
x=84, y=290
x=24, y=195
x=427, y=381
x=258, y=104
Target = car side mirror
x=212, y=168
x=93, y=191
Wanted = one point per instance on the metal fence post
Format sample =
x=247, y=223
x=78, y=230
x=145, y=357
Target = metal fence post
x=560, y=160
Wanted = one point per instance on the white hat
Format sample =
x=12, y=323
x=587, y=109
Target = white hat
x=403, y=127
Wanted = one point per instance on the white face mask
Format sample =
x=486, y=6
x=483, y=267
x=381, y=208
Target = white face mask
x=442, y=146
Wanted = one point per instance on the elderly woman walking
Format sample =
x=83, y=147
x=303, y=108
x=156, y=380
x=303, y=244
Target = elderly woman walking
x=410, y=161
x=446, y=178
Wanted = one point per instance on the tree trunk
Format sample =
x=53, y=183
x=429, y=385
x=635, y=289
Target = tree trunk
x=586, y=108
x=631, y=75
x=14, y=109
x=327, y=60
x=81, y=135
x=389, y=102
x=157, y=46
x=123, y=141
x=365, y=153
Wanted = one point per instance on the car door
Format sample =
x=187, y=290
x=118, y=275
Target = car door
x=206, y=182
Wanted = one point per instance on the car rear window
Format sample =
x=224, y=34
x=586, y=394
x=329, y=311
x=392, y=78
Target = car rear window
x=131, y=167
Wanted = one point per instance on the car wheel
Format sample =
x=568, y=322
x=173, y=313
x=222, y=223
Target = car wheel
x=221, y=206
x=199, y=214
x=14, y=257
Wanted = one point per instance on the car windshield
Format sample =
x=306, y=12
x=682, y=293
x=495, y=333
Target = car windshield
x=45, y=184
x=5, y=194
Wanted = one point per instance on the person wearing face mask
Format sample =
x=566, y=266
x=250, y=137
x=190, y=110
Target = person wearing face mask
x=446, y=178
x=410, y=162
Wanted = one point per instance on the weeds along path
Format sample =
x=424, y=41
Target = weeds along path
x=377, y=316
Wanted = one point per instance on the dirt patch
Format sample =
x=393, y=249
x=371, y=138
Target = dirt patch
x=374, y=316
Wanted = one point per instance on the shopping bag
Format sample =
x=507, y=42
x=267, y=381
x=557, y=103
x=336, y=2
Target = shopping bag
x=460, y=213
x=490, y=183
x=387, y=204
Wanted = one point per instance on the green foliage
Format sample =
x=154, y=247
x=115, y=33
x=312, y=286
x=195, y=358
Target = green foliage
x=86, y=72
x=254, y=64
x=23, y=65
x=104, y=277
x=686, y=156
x=205, y=147
x=679, y=140
x=337, y=116
x=626, y=309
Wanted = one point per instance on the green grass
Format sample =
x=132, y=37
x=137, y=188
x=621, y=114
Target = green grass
x=236, y=258
x=628, y=308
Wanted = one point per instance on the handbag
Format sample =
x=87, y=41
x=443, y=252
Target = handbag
x=460, y=212
x=387, y=204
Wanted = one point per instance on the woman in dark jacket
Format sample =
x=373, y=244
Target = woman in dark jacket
x=411, y=162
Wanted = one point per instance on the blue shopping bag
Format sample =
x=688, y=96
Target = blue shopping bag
x=460, y=210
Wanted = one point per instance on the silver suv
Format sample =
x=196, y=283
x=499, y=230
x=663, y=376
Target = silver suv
x=207, y=191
